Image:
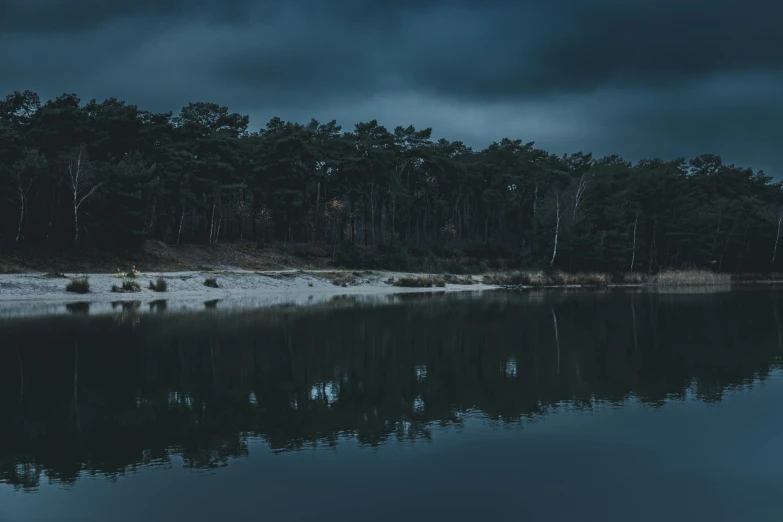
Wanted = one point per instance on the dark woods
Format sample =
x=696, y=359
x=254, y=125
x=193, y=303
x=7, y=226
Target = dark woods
x=111, y=175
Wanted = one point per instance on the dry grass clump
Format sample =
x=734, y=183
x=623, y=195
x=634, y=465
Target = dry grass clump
x=128, y=285
x=211, y=282
x=631, y=278
x=9, y=269
x=78, y=285
x=756, y=277
x=691, y=277
x=541, y=278
x=420, y=282
x=159, y=286
x=342, y=279
x=458, y=280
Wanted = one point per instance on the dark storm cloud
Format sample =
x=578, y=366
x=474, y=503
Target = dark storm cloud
x=637, y=77
x=78, y=15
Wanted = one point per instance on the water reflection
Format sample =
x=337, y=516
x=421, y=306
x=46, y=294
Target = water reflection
x=106, y=395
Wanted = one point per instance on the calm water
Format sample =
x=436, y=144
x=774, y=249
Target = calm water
x=580, y=406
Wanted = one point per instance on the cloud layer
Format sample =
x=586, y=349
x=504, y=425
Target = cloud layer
x=641, y=78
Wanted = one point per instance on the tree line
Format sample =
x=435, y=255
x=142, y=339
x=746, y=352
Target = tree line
x=112, y=175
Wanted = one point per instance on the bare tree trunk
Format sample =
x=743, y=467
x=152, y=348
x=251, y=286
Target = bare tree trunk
x=535, y=210
x=51, y=215
x=212, y=224
x=75, y=222
x=777, y=238
x=21, y=216
x=317, y=214
x=220, y=222
x=557, y=230
x=181, y=220
x=372, y=211
x=633, y=254
x=79, y=182
x=580, y=192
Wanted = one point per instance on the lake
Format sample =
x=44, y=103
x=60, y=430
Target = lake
x=615, y=405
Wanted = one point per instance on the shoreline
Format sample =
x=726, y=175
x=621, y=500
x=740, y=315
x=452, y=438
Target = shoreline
x=38, y=294
x=33, y=294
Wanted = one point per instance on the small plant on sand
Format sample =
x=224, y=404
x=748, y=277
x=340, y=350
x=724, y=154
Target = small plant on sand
x=159, y=286
x=78, y=285
x=133, y=273
x=127, y=286
x=211, y=282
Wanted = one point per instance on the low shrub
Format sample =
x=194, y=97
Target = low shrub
x=458, y=280
x=127, y=286
x=420, y=282
x=160, y=285
x=211, y=282
x=547, y=278
x=631, y=278
x=692, y=277
x=78, y=285
x=342, y=279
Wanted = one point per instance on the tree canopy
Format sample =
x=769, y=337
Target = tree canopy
x=111, y=175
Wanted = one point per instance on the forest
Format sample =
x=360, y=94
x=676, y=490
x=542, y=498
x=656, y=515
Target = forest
x=111, y=175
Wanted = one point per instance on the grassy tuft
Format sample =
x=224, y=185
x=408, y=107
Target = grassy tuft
x=78, y=285
x=211, y=282
x=692, y=277
x=631, y=278
x=342, y=278
x=540, y=278
x=458, y=280
x=420, y=282
x=159, y=286
x=9, y=269
x=127, y=286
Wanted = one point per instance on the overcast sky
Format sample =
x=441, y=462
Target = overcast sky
x=641, y=78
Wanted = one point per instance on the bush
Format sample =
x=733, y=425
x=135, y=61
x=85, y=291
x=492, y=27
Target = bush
x=211, y=282
x=458, y=280
x=420, y=282
x=127, y=286
x=341, y=279
x=690, y=278
x=78, y=285
x=9, y=269
x=159, y=286
x=547, y=278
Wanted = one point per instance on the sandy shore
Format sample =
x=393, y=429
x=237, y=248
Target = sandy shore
x=34, y=294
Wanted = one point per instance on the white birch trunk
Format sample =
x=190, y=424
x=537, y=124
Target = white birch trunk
x=557, y=230
x=777, y=238
x=212, y=224
x=80, y=189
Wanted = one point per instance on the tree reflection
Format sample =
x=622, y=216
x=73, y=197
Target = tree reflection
x=105, y=396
